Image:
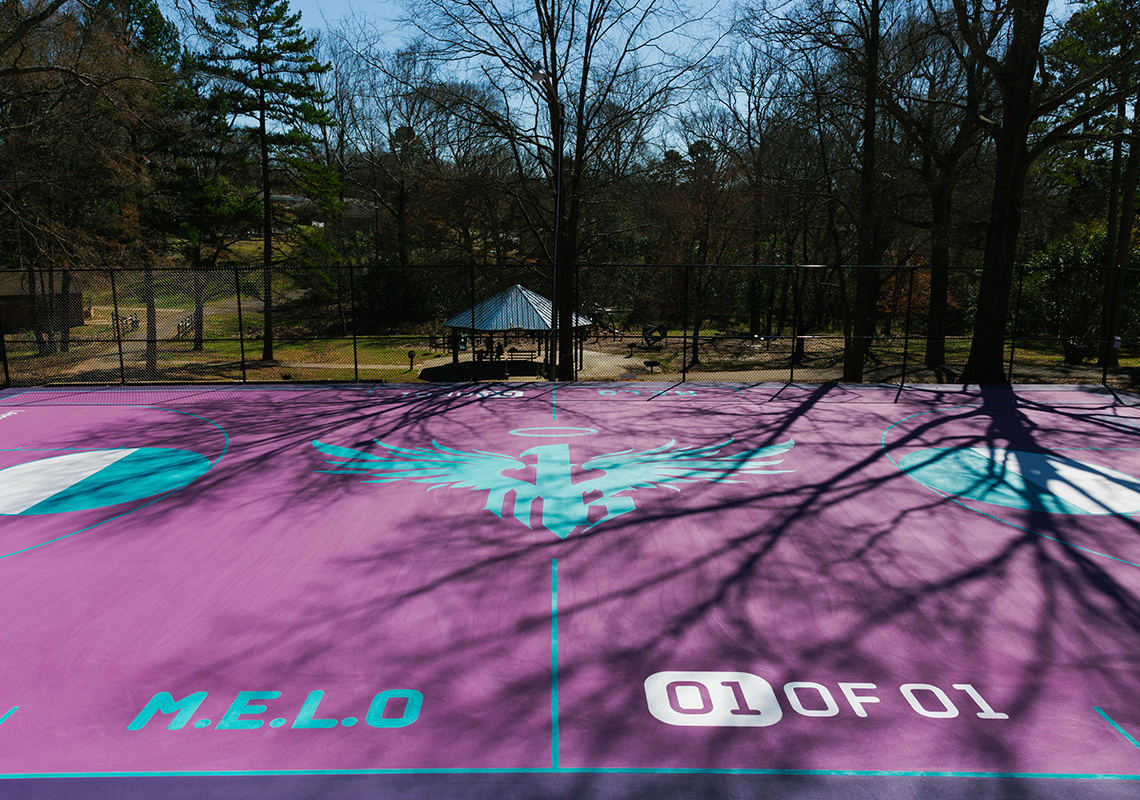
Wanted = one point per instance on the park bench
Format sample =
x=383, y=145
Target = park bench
x=514, y=354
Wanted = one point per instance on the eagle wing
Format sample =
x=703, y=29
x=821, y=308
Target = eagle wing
x=668, y=465
x=437, y=465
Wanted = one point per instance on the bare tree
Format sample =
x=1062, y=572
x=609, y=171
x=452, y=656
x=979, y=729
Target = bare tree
x=587, y=72
x=387, y=119
x=77, y=85
x=1036, y=111
x=742, y=110
x=843, y=38
x=928, y=97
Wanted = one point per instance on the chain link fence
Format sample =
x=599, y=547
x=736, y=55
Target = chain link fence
x=742, y=324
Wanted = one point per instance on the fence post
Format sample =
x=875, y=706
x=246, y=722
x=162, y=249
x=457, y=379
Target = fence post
x=117, y=326
x=4, y=355
x=1016, y=322
x=574, y=329
x=906, y=328
x=795, y=322
x=471, y=334
x=685, y=330
x=241, y=323
x=1108, y=337
x=352, y=309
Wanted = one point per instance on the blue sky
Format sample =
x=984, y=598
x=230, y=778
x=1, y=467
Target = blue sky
x=327, y=13
x=384, y=14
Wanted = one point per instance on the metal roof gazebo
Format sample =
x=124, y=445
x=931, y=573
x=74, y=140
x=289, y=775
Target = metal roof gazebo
x=517, y=309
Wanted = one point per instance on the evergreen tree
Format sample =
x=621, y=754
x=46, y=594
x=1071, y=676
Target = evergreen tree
x=259, y=51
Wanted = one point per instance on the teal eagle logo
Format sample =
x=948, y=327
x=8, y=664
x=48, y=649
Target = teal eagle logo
x=557, y=498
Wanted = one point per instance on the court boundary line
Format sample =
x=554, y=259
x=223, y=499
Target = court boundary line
x=554, y=705
x=758, y=772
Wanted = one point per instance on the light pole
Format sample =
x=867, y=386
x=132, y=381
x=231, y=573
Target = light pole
x=562, y=313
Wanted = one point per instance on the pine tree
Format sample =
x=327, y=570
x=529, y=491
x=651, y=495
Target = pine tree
x=259, y=51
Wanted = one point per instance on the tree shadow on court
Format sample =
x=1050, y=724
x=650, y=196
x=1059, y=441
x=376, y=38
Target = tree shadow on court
x=843, y=571
x=947, y=610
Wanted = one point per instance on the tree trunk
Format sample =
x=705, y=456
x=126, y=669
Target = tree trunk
x=199, y=301
x=941, y=221
x=782, y=316
x=1012, y=162
x=151, y=369
x=866, y=278
x=266, y=246
x=985, y=365
x=567, y=238
x=1118, y=245
x=798, y=284
x=65, y=311
x=34, y=313
x=696, y=340
x=401, y=204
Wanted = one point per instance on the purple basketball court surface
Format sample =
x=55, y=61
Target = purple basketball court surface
x=589, y=591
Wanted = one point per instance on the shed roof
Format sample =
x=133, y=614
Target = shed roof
x=14, y=283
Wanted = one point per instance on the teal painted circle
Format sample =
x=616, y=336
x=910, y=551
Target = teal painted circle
x=96, y=479
x=348, y=722
x=1023, y=480
x=202, y=723
x=277, y=723
x=552, y=432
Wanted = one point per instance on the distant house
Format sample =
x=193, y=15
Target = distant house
x=16, y=302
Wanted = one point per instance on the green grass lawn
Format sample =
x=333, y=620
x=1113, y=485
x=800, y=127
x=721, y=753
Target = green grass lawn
x=93, y=350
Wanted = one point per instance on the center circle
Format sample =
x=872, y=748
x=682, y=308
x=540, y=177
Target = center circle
x=553, y=432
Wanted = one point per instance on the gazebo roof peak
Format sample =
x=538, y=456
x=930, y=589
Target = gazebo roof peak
x=517, y=308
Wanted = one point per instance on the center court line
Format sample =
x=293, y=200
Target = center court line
x=554, y=759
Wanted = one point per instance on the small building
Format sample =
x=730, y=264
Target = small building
x=18, y=301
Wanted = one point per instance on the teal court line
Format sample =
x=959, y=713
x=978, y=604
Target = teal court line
x=553, y=664
x=855, y=773
x=1111, y=722
x=11, y=711
x=4, y=398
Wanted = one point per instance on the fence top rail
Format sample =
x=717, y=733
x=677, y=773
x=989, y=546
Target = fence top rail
x=230, y=269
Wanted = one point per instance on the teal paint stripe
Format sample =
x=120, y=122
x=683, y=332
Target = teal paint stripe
x=1111, y=722
x=81, y=530
x=1014, y=525
x=4, y=398
x=854, y=773
x=554, y=754
x=11, y=711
